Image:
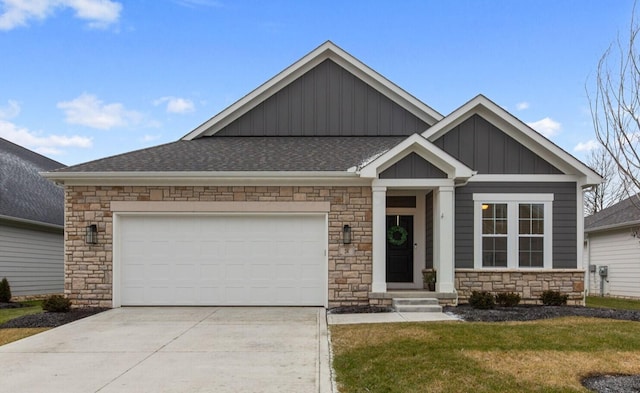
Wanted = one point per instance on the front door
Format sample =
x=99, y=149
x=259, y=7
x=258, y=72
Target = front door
x=400, y=248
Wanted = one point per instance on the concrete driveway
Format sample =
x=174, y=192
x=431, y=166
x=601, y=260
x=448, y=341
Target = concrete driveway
x=175, y=349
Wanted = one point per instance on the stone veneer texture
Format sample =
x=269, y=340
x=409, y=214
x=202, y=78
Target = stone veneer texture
x=529, y=285
x=88, y=268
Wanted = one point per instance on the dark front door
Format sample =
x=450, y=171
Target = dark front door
x=399, y=248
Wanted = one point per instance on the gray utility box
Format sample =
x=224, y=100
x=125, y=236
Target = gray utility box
x=603, y=271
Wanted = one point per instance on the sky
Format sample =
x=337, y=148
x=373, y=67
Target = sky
x=87, y=79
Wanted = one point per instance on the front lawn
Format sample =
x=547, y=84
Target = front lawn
x=612, y=302
x=31, y=307
x=538, y=356
x=6, y=314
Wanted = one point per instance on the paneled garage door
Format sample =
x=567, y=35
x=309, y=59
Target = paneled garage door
x=270, y=259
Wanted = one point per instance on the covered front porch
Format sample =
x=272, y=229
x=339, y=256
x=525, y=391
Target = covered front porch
x=413, y=230
x=413, y=217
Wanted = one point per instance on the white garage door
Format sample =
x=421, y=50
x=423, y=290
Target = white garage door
x=223, y=260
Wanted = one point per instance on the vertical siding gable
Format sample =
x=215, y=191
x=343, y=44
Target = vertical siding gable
x=483, y=147
x=326, y=101
x=412, y=167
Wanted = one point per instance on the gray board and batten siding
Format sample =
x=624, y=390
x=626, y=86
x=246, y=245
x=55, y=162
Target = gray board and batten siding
x=429, y=230
x=412, y=167
x=485, y=148
x=326, y=101
x=31, y=258
x=564, y=218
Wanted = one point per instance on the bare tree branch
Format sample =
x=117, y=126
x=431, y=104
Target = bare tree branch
x=610, y=191
x=615, y=111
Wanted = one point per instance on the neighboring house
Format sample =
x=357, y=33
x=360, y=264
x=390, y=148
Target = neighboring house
x=31, y=223
x=612, y=250
x=328, y=185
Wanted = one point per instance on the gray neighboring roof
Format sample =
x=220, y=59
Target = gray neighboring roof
x=24, y=193
x=624, y=213
x=246, y=154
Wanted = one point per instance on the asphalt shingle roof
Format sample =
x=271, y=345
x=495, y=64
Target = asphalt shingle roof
x=624, y=212
x=24, y=193
x=246, y=154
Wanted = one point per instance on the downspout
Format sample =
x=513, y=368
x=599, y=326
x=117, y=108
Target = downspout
x=464, y=183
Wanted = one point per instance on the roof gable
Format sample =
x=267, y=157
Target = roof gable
x=520, y=132
x=326, y=101
x=433, y=155
x=24, y=193
x=326, y=51
x=486, y=149
x=412, y=166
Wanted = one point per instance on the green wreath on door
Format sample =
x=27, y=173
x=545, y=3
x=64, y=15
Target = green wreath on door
x=392, y=235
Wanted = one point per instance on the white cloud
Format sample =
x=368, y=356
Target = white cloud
x=547, y=126
x=587, y=146
x=45, y=144
x=522, y=105
x=88, y=110
x=176, y=104
x=99, y=13
x=149, y=138
x=11, y=110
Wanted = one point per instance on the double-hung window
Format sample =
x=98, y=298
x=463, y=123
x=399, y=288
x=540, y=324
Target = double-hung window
x=513, y=231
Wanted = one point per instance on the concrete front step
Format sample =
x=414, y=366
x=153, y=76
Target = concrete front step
x=444, y=298
x=415, y=301
x=418, y=308
x=416, y=305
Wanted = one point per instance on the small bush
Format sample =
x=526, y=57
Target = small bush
x=553, y=298
x=5, y=291
x=56, y=303
x=482, y=300
x=507, y=299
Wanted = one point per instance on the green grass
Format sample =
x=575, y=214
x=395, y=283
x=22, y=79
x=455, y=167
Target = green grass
x=33, y=307
x=451, y=357
x=612, y=302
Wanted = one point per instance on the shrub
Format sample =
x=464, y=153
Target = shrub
x=482, y=300
x=507, y=299
x=56, y=303
x=5, y=291
x=553, y=298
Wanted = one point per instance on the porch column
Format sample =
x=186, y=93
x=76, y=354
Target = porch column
x=444, y=258
x=379, y=233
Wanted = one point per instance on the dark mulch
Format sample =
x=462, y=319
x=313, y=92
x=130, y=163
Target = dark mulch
x=359, y=309
x=11, y=305
x=51, y=319
x=531, y=313
x=612, y=383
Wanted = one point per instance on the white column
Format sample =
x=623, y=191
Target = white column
x=445, y=261
x=379, y=273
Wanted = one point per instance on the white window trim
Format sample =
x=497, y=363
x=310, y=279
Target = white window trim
x=512, y=201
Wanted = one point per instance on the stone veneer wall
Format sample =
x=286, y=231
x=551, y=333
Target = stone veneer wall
x=88, y=268
x=529, y=284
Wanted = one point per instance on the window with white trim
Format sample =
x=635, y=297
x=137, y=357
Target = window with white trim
x=513, y=231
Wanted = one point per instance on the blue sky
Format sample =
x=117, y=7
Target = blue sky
x=81, y=80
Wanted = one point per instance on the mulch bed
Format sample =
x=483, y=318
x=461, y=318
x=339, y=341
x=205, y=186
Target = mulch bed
x=51, y=319
x=532, y=313
x=359, y=310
